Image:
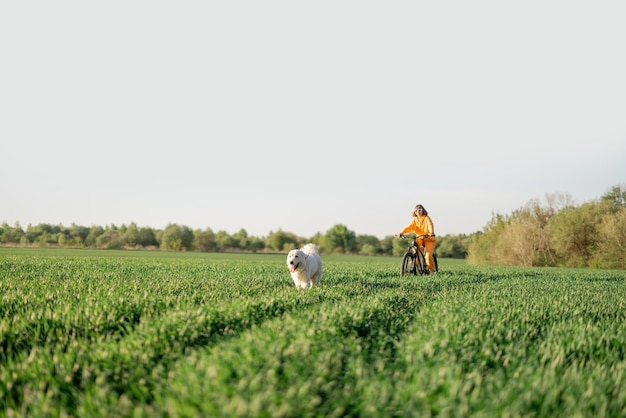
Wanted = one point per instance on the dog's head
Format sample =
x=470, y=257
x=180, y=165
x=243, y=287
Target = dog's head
x=295, y=258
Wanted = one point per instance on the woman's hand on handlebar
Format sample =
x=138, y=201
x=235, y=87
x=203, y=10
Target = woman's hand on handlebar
x=417, y=237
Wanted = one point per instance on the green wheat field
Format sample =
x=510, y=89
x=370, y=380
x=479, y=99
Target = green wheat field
x=96, y=333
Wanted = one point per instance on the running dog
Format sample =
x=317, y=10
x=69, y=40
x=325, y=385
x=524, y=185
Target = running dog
x=305, y=266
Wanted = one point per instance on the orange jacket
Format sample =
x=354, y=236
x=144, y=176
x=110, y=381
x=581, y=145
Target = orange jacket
x=421, y=225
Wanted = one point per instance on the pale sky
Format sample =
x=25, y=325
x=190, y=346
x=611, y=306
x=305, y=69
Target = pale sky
x=297, y=116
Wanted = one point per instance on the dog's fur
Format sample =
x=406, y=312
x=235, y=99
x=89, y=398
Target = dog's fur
x=305, y=266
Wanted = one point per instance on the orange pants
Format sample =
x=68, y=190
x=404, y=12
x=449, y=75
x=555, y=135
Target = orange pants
x=429, y=250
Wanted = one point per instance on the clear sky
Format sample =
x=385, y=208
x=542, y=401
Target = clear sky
x=292, y=115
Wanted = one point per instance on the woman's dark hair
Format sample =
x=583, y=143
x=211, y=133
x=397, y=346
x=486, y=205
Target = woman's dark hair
x=420, y=209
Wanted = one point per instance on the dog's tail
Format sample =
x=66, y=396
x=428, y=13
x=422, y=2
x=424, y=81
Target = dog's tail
x=311, y=248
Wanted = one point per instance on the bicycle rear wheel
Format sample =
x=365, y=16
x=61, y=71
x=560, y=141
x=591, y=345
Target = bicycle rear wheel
x=408, y=264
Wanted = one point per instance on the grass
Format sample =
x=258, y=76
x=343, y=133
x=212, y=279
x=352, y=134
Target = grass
x=137, y=333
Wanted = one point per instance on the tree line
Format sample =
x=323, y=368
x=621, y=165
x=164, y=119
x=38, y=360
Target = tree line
x=554, y=232
x=174, y=237
x=557, y=233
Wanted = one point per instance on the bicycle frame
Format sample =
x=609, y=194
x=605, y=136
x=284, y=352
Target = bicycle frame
x=414, y=260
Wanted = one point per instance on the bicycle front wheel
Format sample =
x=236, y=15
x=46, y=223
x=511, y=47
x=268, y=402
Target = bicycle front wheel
x=420, y=264
x=408, y=264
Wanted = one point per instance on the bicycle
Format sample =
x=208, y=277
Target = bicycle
x=414, y=261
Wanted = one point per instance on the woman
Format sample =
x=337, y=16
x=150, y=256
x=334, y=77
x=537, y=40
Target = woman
x=423, y=225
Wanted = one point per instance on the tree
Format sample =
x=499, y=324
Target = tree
x=146, y=237
x=317, y=239
x=399, y=246
x=574, y=233
x=340, y=239
x=241, y=239
x=452, y=246
x=612, y=240
x=92, y=237
x=111, y=238
x=205, y=240
x=617, y=196
x=131, y=235
x=10, y=234
x=177, y=238
x=522, y=242
x=42, y=234
x=482, y=245
x=368, y=245
x=255, y=244
x=386, y=245
x=78, y=234
x=525, y=240
x=282, y=241
x=518, y=239
x=224, y=241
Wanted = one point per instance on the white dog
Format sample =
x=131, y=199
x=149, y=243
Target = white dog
x=305, y=266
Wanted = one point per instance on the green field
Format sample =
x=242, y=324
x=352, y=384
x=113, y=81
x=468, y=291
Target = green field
x=93, y=333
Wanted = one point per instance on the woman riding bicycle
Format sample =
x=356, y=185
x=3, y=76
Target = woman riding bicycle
x=423, y=225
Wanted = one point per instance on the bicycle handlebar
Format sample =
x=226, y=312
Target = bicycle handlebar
x=417, y=236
